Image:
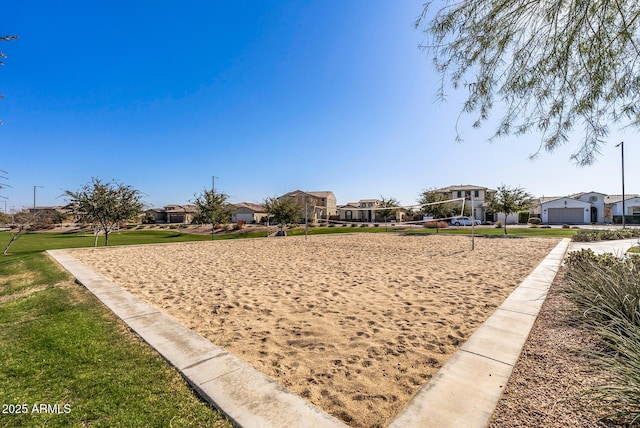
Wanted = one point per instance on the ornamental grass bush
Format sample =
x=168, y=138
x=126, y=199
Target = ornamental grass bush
x=588, y=235
x=606, y=291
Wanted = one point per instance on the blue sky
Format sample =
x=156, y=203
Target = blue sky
x=268, y=96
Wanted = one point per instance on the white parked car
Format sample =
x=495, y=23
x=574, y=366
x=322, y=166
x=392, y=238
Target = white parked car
x=464, y=221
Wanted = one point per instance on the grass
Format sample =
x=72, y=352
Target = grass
x=62, y=348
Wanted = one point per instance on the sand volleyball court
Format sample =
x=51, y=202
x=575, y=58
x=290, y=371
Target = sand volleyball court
x=355, y=324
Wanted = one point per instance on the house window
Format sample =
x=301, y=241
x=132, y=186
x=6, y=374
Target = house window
x=476, y=193
x=363, y=205
x=459, y=194
x=348, y=215
x=593, y=199
x=370, y=204
x=635, y=210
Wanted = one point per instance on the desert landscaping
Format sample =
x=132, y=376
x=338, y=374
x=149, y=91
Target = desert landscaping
x=355, y=324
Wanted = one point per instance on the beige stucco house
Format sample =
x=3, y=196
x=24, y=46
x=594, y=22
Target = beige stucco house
x=248, y=212
x=319, y=204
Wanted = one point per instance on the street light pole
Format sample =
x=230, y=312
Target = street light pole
x=34, y=197
x=213, y=181
x=621, y=145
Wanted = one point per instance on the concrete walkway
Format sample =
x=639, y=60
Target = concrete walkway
x=618, y=247
x=463, y=393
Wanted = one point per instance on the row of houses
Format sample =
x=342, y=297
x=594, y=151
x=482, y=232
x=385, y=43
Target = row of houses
x=579, y=208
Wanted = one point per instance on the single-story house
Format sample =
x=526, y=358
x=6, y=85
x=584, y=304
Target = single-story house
x=171, y=214
x=367, y=210
x=613, y=208
x=248, y=212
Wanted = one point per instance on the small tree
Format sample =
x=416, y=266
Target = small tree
x=22, y=223
x=283, y=210
x=388, y=205
x=434, y=205
x=106, y=205
x=509, y=200
x=212, y=208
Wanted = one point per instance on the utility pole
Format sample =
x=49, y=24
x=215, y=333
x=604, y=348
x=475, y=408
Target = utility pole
x=621, y=145
x=213, y=181
x=34, y=197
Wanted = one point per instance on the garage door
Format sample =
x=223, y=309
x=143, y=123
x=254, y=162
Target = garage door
x=566, y=215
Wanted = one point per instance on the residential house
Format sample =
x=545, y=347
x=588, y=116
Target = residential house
x=613, y=208
x=248, y=212
x=171, y=214
x=319, y=204
x=586, y=208
x=367, y=210
x=477, y=197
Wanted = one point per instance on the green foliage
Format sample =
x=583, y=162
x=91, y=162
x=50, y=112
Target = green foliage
x=433, y=205
x=606, y=290
x=211, y=207
x=389, y=204
x=106, y=205
x=283, y=210
x=587, y=235
x=508, y=200
x=523, y=217
x=552, y=65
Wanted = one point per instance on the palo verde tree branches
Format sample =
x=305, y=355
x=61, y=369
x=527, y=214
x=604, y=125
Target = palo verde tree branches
x=555, y=65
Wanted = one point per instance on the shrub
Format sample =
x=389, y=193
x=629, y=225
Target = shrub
x=364, y=225
x=376, y=225
x=535, y=220
x=332, y=225
x=565, y=226
x=606, y=291
x=239, y=225
x=587, y=235
x=498, y=224
x=433, y=224
x=523, y=217
x=354, y=225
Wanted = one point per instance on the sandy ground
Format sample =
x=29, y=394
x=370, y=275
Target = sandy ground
x=356, y=324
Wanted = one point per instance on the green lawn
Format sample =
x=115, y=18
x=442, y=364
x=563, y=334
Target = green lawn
x=63, y=352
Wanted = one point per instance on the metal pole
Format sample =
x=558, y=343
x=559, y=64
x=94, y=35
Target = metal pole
x=213, y=181
x=621, y=144
x=473, y=226
x=34, y=197
x=306, y=219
